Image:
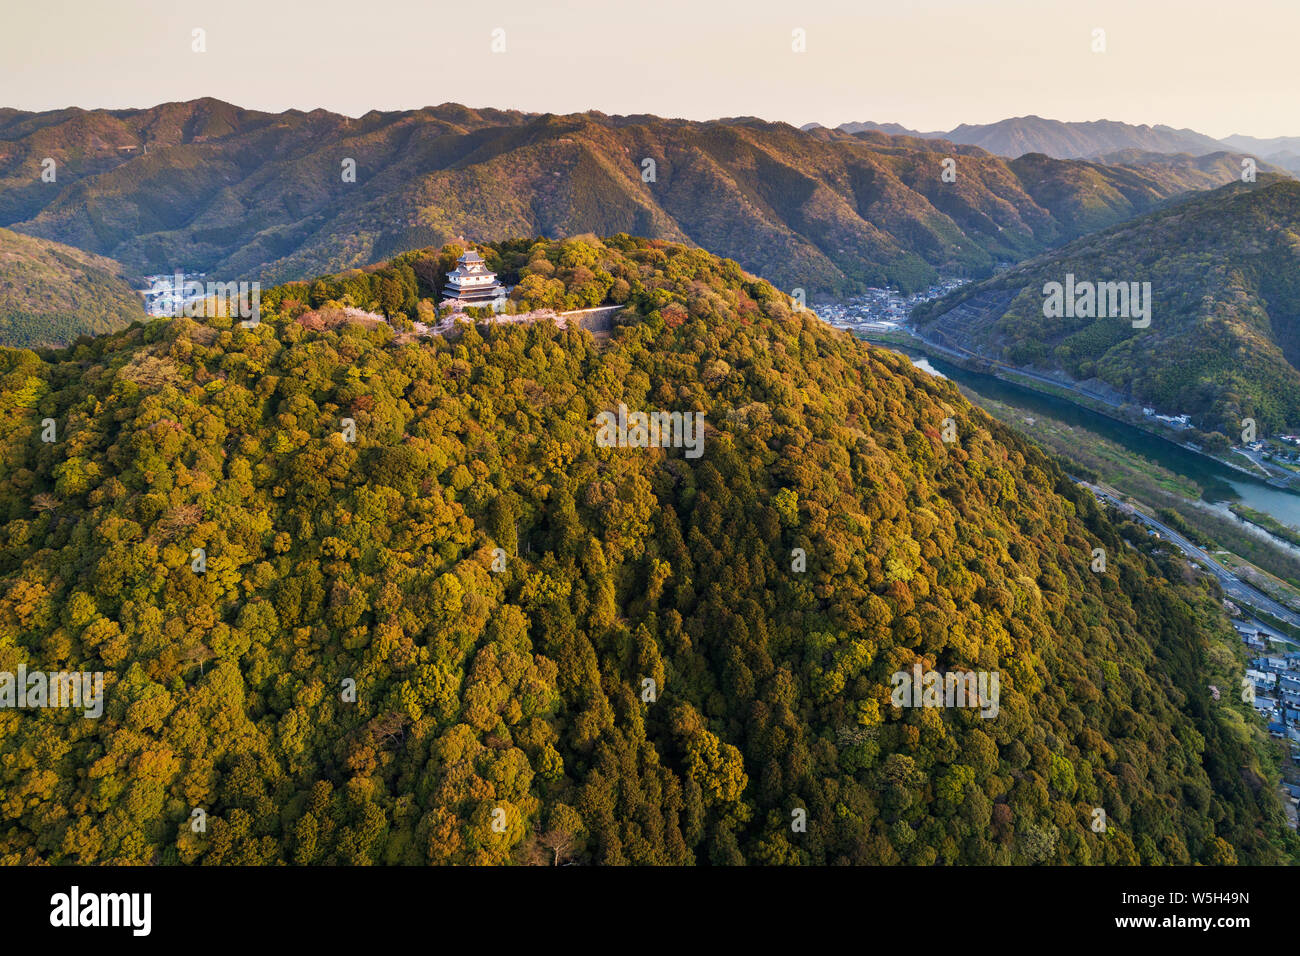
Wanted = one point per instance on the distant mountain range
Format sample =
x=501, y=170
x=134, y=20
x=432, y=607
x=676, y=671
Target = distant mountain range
x=1223, y=340
x=1283, y=151
x=51, y=293
x=210, y=187
x=1092, y=140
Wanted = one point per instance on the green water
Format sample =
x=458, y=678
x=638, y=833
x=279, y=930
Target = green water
x=1220, y=483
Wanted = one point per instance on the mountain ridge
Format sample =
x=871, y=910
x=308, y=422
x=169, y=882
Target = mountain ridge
x=262, y=196
x=1224, y=338
x=1060, y=139
x=50, y=294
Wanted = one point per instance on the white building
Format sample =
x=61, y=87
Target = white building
x=471, y=283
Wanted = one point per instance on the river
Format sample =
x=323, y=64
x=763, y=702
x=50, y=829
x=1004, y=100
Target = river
x=1220, y=483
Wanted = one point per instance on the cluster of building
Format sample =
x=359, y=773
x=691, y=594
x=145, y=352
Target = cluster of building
x=1176, y=422
x=880, y=310
x=1270, y=451
x=1276, y=683
x=167, y=295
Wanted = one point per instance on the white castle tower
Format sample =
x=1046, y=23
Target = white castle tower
x=471, y=283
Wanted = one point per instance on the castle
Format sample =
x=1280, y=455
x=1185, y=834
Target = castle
x=471, y=284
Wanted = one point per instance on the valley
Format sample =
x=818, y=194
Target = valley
x=1086, y=430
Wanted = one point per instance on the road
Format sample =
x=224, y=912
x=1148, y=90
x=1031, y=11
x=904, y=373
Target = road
x=1278, y=476
x=967, y=355
x=1234, y=587
x=561, y=319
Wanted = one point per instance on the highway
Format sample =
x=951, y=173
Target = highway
x=964, y=354
x=1240, y=592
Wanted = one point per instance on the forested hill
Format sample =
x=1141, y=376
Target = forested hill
x=1223, y=342
x=207, y=186
x=502, y=708
x=50, y=293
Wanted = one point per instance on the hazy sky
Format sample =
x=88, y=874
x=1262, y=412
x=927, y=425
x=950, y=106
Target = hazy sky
x=1216, y=66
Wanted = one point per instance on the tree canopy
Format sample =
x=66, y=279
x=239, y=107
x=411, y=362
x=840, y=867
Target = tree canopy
x=437, y=622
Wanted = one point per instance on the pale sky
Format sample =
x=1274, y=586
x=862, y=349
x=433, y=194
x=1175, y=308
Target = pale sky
x=1215, y=66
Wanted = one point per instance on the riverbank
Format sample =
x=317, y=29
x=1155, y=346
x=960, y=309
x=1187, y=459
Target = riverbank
x=1140, y=467
x=1266, y=522
x=1045, y=385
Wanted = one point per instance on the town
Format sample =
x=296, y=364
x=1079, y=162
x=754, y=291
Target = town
x=880, y=310
x=1275, y=685
x=1272, y=685
x=167, y=295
